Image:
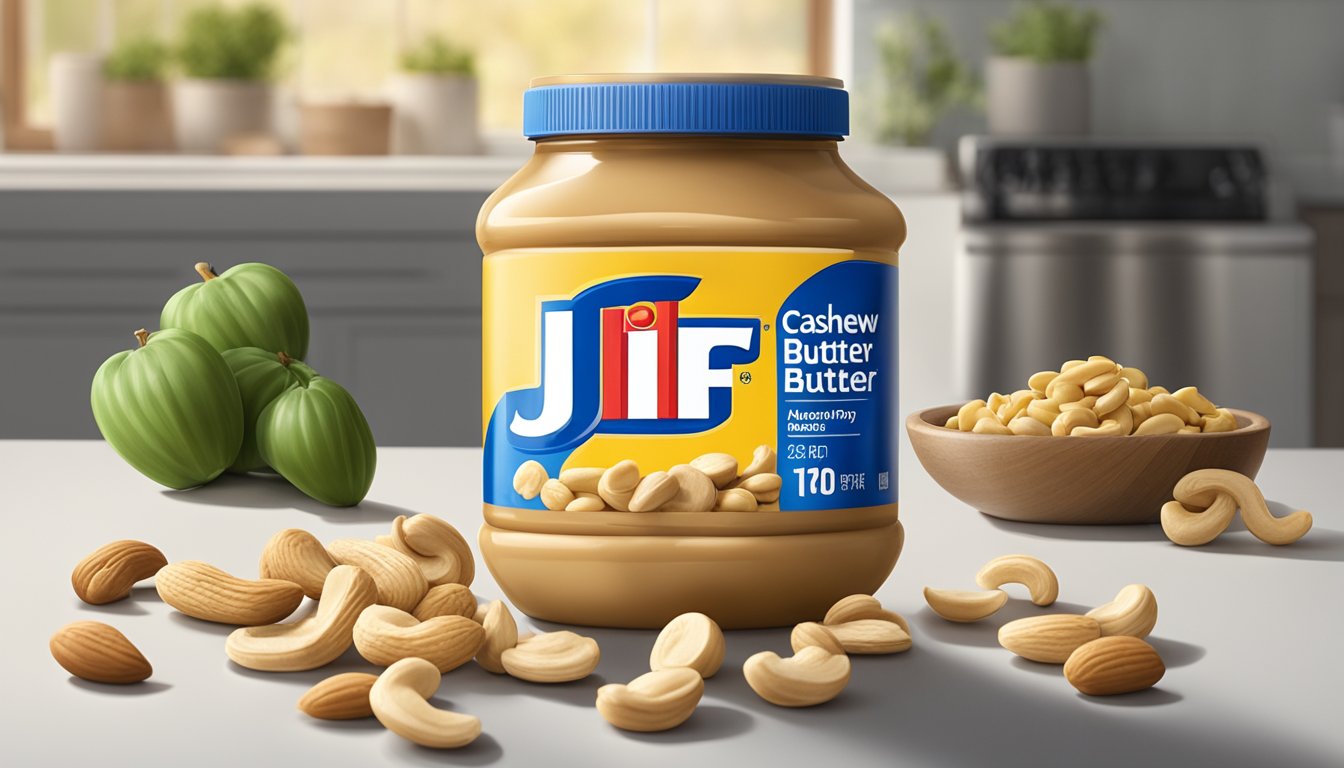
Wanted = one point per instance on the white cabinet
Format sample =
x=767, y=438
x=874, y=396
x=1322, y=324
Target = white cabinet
x=391, y=280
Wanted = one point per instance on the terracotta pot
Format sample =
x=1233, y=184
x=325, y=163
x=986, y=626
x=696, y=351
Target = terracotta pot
x=1029, y=98
x=208, y=114
x=345, y=129
x=135, y=117
x=434, y=114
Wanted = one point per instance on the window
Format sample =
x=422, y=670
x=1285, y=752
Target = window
x=347, y=49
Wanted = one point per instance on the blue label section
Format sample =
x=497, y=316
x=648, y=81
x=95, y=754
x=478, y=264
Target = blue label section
x=836, y=347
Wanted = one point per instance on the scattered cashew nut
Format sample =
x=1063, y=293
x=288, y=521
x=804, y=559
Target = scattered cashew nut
x=311, y=642
x=400, y=701
x=1029, y=571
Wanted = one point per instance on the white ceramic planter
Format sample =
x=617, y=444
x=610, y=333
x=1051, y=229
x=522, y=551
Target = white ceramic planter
x=208, y=113
x=76, y=84
x=1028, y=98
x=434, y=114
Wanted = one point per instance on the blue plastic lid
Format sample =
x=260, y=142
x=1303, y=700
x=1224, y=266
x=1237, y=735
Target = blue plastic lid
x=763, y=105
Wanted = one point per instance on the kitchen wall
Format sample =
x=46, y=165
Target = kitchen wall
x=1263, y=70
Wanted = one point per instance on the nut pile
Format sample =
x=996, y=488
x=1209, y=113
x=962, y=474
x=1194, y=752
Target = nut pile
x=708, y=483
x=1093, y=398
x=1103, y=652
x=403, y=601
x=1207, y=500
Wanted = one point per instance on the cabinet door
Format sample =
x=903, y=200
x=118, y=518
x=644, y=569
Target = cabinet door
x=49, y=365
x=418, y=379
x=1330, y=373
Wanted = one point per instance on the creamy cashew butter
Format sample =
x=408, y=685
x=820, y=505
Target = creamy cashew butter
x=686, y=273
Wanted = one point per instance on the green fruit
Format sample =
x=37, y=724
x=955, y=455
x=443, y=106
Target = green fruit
x=261, y=377
x=171, y=408
x=316, y=437
x=251, y=305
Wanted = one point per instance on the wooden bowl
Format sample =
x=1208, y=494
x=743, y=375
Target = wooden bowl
x=1077, y=480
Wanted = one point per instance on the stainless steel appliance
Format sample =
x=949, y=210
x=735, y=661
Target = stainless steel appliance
x=1163, y=257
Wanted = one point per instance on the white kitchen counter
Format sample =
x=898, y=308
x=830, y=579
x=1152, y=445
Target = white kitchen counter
x=1251, y=635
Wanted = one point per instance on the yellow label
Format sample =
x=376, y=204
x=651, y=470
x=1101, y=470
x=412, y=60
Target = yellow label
x=661, y=355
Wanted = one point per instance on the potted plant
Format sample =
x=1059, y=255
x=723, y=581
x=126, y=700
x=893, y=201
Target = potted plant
x=1038, y=79
x=134, y=99
x=434, y=101
x=228, y=56
x=921, y=80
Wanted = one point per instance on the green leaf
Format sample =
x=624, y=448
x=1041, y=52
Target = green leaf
x=220, y=43
x=1047, y=31
x=437, y=55
x=921, y=79
x=142, y=59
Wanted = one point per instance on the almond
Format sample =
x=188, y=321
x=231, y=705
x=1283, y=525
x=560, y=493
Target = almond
x=398, y=577
x=205, y=592
x=340, y=697
x=108, y=573
x=296, y=555
x=446, y=600
x=1111, y=665
x=871, y=636
x=95, y=651
x=1048, y=639
x=386, y=635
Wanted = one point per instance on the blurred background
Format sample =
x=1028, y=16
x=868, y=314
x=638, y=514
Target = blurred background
x=1160, y=181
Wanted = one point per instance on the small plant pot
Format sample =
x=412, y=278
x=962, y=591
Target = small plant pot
x=135, y=117
x=434, y=114
x=1029, y=98
x=209, y=114
x=76, y=80
x=345, y=129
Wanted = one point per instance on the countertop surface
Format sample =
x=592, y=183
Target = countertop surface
x=1251, y=635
